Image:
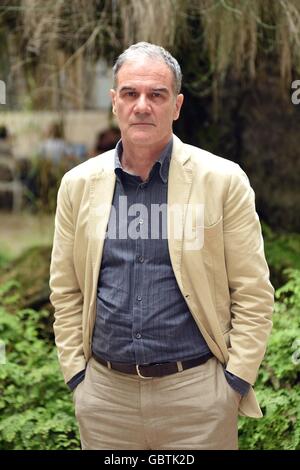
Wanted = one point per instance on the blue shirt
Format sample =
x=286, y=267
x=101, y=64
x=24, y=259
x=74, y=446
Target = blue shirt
x=142, y=317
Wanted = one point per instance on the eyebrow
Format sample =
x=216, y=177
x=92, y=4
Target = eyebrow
x=127, y=88
x=159, y=89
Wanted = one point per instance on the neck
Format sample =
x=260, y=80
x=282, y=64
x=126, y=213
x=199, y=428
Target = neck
x=140, y=160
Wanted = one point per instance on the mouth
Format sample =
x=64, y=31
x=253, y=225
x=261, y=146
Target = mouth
x=142, y=124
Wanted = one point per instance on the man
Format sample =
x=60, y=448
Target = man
x=160, y=327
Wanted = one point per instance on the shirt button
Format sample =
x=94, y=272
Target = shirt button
x=138, y=335
x=139, y=297
x=141, y=221
x=141, y=259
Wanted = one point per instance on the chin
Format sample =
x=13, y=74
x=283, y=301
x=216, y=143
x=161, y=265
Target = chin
x=141, y=137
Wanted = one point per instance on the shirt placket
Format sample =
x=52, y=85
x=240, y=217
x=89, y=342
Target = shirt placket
x=139, y=287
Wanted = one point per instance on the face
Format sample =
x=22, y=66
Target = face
x=144, y=102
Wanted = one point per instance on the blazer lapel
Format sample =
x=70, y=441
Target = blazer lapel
x=101, y=196
x=179, y=187
x=189, y=280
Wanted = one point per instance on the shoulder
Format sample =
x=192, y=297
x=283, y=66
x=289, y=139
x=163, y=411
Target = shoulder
x=207, y=165
x=205, y=161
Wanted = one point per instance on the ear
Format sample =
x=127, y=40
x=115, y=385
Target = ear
x=113, y=95
x=178, y=104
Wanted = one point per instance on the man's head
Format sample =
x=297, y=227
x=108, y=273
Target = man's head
x=154, y=52
x=145, y=98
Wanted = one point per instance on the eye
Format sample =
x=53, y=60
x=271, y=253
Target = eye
x=156, y=94
x=132, y=94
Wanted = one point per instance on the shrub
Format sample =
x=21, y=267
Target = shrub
x=282, y=252
x=35, y=406
x=278, y=381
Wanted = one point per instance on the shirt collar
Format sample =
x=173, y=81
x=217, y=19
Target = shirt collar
x=163, y=161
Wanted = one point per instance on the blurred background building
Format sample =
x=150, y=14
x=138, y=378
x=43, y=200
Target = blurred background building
x=238, y=58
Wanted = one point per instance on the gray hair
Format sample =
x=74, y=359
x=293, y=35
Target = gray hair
x=146, y=49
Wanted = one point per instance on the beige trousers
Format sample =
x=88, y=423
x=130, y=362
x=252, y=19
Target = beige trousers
x=193, y=409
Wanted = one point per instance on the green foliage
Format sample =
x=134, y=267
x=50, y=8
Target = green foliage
x=282, y=252
x=4, y=259
x=24, y=281
x=277, y=385
x=35, y=406
x=278, y=429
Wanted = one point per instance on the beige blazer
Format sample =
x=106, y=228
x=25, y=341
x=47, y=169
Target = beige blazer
x=225, y=283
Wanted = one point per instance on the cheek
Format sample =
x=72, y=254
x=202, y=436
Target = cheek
x=121, y=114
x=125, y=111
x=169, y=118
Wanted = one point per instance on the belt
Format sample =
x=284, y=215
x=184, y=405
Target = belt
x=147, y=371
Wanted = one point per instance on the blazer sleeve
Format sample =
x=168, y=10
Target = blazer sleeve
x=66, y=296
x=252, y=295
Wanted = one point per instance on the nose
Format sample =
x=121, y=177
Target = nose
x=142, y=105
